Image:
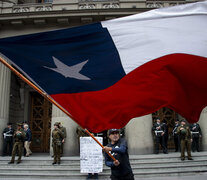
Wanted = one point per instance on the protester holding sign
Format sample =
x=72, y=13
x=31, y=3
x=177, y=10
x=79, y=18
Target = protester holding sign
x=120, y=169
x=91, y=158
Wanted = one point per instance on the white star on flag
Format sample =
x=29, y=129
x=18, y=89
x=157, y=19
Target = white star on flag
x=69, y=71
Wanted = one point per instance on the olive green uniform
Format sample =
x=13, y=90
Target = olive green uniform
x=18, y=139
x=57, y=137
x=63, y=129
x=185, y=140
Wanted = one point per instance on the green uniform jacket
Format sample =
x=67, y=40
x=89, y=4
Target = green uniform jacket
x=19, y=137
x=184, y=134
x=57, y=136
x=63, y=129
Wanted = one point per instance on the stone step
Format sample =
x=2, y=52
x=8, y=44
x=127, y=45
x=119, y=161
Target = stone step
x=143, y=166
x=104, y=175
x=66, y=161
x=67, y=165
x=146, y=170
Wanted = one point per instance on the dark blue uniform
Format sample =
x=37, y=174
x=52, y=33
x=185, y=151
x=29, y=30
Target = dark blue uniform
x=159, y=138
x=196, y=134
x=8, y=141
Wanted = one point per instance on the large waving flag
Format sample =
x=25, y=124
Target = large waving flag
x=106, y=73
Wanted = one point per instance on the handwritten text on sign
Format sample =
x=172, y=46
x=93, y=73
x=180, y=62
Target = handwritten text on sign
x=91, y=158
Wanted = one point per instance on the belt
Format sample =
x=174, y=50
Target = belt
x=194, y=132
x=7, y=135
x=158, y=132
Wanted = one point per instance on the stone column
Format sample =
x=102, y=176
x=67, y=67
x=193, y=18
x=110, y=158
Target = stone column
x=139, y=135
x=203, y=124
x=71, y=144
x=5, y=75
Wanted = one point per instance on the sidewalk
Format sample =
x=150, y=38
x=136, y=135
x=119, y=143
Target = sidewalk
x=202, y=176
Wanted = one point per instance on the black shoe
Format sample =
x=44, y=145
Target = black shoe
x=53, y=163
x=89, y=176
x=95, y=176
x=182, y=159
x=190, y=158
x=18, y=162
x=58, y=162
x=10, y=162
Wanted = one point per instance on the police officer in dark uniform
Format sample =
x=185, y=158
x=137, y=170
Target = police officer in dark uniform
x=8, y=139
x=165, y=136
x=176, y=137
x=121, y=168
x=185, y=139
x=196, y=135
x=159, y=131
x=19, y=137
x=57, y=140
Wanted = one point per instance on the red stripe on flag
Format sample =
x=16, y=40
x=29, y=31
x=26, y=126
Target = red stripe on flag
x=177, y=81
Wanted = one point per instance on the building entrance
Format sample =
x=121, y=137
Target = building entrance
x=40, y=123
x=170, y=117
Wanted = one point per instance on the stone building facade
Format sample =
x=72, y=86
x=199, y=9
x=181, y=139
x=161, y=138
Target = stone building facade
x=20, y=103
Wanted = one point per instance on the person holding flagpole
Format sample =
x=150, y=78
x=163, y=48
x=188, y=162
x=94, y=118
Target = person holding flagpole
x=121, y=168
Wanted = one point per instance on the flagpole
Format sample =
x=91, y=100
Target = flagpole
x=48, y=98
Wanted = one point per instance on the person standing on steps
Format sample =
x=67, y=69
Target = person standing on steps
x=159, y=136
x=196, y=135
x=57, y=140
x=63, y=129
x=185, y=140
x=175, y=136
x=121, y=168
x=19, y=137
x=8, y=133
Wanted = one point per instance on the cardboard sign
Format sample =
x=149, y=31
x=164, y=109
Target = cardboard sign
x=91, y=157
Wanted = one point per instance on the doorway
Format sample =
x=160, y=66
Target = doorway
x=170, y=116
x=40, y=123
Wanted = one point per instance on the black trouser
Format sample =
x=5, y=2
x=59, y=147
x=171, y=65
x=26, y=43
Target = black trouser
x=166, y=140
x=195, y=144
x=160, y=140
x=177, y=143
x=7, y=148
x=129, y=176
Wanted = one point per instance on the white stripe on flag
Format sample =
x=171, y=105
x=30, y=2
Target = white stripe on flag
x=143, y=37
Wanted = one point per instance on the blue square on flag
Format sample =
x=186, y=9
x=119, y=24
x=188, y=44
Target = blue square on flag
x=82, y=58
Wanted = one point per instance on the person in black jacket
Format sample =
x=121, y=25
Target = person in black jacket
x=8, y=139
x=159, y=131
x=176, y=137
x=120, y=169
x=196, y=135
x=165, y=136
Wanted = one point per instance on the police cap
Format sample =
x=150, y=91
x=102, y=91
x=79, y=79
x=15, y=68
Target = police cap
x=113, y=130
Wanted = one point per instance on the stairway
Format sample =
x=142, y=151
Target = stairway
x=162, y=165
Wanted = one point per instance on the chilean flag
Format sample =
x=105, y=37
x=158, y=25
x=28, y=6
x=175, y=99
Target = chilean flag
x=106, y=73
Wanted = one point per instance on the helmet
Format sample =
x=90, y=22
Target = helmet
x=19, y=135
x=183, y=132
